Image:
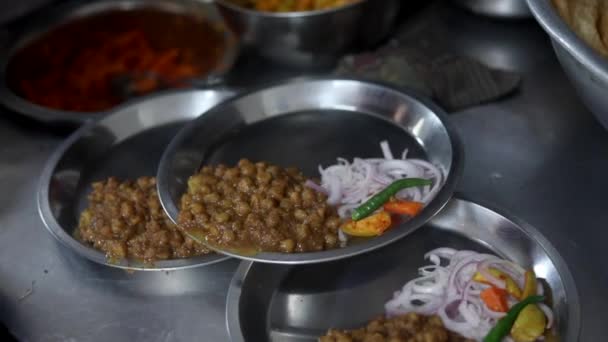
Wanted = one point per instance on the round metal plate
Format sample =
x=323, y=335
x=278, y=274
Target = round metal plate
x=288, y=303
x=308, y=123
x=126, y=144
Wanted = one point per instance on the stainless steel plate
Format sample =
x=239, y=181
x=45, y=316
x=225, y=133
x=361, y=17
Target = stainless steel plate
x=312, y=122
x=127, y=144
x=299, y=303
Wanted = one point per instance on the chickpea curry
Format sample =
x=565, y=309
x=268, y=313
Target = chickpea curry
x=258, y=207
x=125, y=220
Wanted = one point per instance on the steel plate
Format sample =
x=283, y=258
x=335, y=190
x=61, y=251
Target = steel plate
x=127, y=144
x=308, y=123
x=300, y=303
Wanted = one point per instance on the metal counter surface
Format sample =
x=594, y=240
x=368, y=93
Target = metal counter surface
x=538, y=154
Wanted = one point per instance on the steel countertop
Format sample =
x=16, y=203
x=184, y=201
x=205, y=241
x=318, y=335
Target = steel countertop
x=538, y=154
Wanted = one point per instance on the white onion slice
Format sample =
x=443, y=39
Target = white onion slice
x=386, y=150
x=548, y=313
x=315, y=186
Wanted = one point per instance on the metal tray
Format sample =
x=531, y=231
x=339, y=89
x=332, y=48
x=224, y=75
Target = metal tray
x=55, y=16
x=306, y=123
x=127, y=144
x=299, y=303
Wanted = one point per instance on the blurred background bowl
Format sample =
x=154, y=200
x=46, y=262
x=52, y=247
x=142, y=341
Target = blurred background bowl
x=586, y=68
x=47, y=21
x=312, y=38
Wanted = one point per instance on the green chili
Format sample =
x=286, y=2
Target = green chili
x=502, y=328
x=383, y=196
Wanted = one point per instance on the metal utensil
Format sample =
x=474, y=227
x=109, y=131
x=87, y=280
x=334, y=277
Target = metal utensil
x=586, y=69
x=313, y=38
x=286, y=303
x=126, y=144
x=308, y=123
x=59, y=15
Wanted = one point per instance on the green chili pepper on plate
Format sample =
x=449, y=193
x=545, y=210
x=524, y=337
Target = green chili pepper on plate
x=502, y=328
x=367, y=208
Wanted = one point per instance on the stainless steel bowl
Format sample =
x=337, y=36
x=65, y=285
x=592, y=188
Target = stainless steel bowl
x=313, y=38
x=307, y=124
x=586, y=69
x=48, y=20
x=127, y=144
x=287, y=303
x=497, y=8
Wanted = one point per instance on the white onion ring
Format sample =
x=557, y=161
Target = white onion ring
x=315, y=186
x=386, y=150
x=548, y=313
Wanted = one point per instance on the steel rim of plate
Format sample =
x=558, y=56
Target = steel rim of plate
x=233, y=322
x=59, y=233
x=76, y=9
x=408, y=95
x=551, y=21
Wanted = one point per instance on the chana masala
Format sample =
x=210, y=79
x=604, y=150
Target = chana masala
x=411, y=327
x=125, y=220
x=258, y=207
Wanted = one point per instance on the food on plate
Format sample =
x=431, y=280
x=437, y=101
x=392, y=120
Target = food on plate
x=292, y=5
x=373, y=225
x=366, y=190
x=407, y=327
x=479, y=296
x=91, y=65
x=125, y=220
x=589, y=19
x=383, y=198
x=257, y=207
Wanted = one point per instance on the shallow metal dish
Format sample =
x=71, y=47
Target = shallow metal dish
x=586, y=68
x=308, y=123
x=287, y=303
x=312, y=38
x=58, y=15
x=127, y=144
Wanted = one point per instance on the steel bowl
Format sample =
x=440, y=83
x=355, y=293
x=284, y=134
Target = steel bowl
x=586, y=68
x=497, y=8
x=127, y=144
x=56, y=16
x=312, y=38
x=310, y=123
x=287, y=303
